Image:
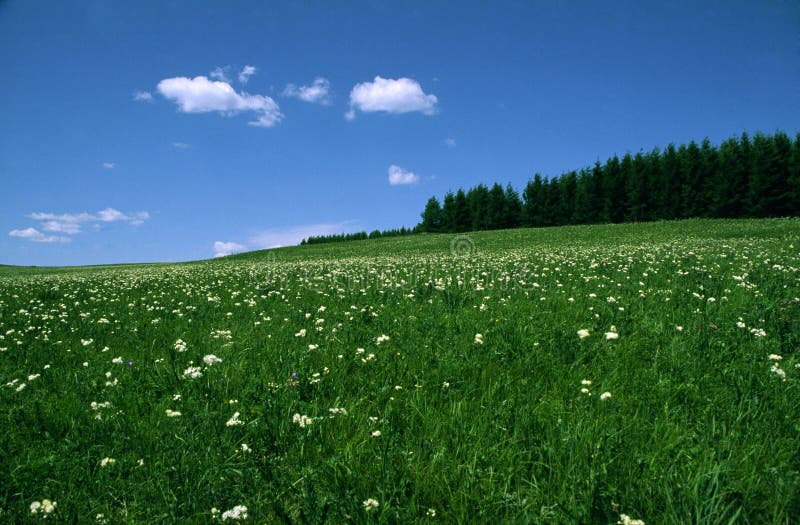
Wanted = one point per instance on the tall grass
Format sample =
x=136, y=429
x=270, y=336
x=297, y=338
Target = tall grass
x=414, y=418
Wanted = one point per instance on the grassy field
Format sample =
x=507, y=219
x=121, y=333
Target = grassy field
x=594, y=374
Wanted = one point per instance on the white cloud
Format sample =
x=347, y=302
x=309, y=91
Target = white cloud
x=246, y=73
x=32, y=234
x=220, y=74
x=109, y=165
x=398, y=176
x=70, y=228
x=222, y=249
x=71, y=223
x=201, y=95
x=450, y=142
x=142, y=96
x=181, y=145
x=317, y=93
x=402, y=95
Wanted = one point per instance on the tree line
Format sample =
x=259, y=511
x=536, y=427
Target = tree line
x=744, y=176
x=358, y=236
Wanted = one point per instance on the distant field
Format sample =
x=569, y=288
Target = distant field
x=586, y=374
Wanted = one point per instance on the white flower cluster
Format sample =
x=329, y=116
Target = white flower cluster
x=234, y=421
x=239, y=512
x=43, y=507
x=211, y=359
x=193, y=372
x=302, y=421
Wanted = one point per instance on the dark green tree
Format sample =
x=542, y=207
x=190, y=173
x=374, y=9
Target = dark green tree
x=478, y=199
x=432, y=216
x=533, y=197
x=463, y=214
x=449, y=213
x=513, y=209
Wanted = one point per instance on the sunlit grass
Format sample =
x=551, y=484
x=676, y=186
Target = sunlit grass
x=420, y=379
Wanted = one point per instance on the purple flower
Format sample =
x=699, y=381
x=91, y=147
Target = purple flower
x=294, y=375
x=130, y=362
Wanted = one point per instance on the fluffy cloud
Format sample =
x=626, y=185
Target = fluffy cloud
x=32, y=234
x=450, y=142
x=142, y=96
x=181, y=145
x=402, y=95
x=109, y=165
x=399, y=176
x=221, y=249
x=71, y=223
x=201, y=95
x=246, y=73
x=317, y=93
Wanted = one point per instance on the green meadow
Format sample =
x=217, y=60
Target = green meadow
x=584, y=374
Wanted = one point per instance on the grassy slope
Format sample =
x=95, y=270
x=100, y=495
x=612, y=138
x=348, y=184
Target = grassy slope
x=698, y=428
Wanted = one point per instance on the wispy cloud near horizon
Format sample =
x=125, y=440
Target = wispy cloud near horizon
x=72, y=223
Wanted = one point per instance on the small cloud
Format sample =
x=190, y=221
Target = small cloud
x=398, y=176
x=402, y=95
x=181, y=145
x=317, y=93
x=109, y=165
x=450, y=142
x=221, y=74
x=246, y=73
x=142, y=96
x=221, y=249
x=201, y=95
x=32, y=234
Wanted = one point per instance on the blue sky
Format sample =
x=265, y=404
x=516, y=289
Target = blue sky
x=169, y=131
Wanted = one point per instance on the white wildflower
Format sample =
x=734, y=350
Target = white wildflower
x=479, y=339
x=173, y=413
x=583, y=333
x=302, y=421
x=239, y=512
x=211, y=359
x=193, y=372
x=605, y=395
x=234, y=420
x=107, y=461
x=371, y=504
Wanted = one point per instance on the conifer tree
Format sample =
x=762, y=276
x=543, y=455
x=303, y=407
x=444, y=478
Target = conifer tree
x=432, y=216
x=449, y=213
x=462, y=212
x=513, y=209
x=533, y=202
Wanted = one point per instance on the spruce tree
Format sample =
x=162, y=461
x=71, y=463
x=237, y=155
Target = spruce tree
x=462, y=212
x=449, y=213
x=513, y=210
x=432, y=216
